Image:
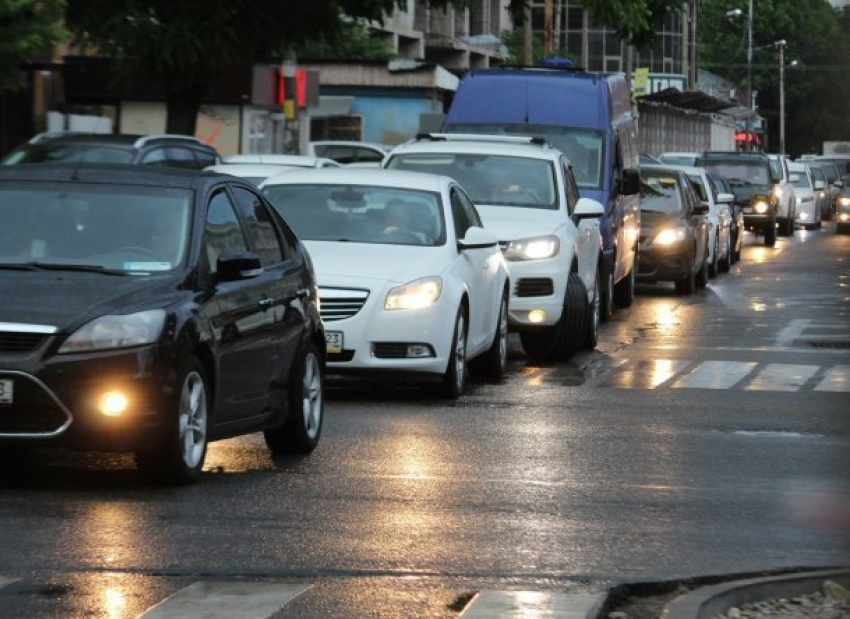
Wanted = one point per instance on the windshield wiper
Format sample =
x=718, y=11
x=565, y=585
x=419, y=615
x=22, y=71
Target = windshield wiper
x=83, y=268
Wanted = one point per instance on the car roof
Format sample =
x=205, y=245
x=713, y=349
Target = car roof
x=117, y=139
x=122, y=174
x=479, y=144
x=302, y=161
x=374, y=145
x=667, y=168
x=406, y=179
x=250, y=169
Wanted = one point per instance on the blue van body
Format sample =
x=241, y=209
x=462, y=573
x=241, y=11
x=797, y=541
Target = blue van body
x=589, y=117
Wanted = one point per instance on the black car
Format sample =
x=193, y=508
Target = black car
x=673, y=230
x=173, y=151
x=152, y=311
x=753, y=182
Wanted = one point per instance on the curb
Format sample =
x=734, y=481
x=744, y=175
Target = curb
x=706, y=602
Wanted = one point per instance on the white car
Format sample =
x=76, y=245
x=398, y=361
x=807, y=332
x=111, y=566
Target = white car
x=783, y=189
x=254, y=173
x=526, y=193
x=296, y=161
x=410, y=283
x=719, y=219
x=349, y=152
x=808, y=206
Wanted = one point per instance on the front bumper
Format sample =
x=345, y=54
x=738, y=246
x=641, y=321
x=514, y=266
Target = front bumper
x=537, y=292
x=663, y=263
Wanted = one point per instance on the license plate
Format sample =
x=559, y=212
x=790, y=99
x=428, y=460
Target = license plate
x=334, y=341
x=6, y=391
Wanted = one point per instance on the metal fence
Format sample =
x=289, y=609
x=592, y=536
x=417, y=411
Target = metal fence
x=663, y=128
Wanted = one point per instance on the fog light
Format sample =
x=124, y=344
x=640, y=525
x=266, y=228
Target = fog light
x=113, y=403
x=417, y=351
x=536, y=316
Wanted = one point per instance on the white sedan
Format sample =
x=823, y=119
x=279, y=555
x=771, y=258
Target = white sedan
x=410, y=282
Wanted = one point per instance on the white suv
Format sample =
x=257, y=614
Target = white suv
x=525, y=192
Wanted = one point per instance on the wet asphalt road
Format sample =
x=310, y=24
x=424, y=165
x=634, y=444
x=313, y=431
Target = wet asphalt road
x=705, y=435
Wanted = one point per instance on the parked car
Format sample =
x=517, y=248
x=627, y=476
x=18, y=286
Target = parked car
x=752, y=180
x=254, y=173
x=410, y=282
x=736, y=228
x=293, y=161
x=823, y=197
x=349, y=152
x=718, y=217
x=842, y=212
x=175, y=151
x=674, y=232
x=152, y=311
x=786, y=198
x=808, y=211
x=681, y=159
x=646, y=158
x=834, y=184
x=526, y=193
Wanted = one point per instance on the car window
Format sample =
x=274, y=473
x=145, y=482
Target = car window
x=261, y=229
x=572, y=189
x=172, y=157
x=459, y=215
x=469, y=208
x=698, y=187
x=204, y=158
x=223, y=231
x=661, y=193
x=58, y=152
x=802, y=181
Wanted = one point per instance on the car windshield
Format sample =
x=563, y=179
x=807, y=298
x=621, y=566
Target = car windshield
x=136, y=230
x=699, y=186
x=360, y=214
x=81, y=153
x=687, y=160
x=753, y=174
x=659, y=193
x=802, y=181
x=583, y=147
x=495, y=180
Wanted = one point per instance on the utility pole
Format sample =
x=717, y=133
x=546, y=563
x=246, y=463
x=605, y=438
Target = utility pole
x=781, y=46
x=750, y=101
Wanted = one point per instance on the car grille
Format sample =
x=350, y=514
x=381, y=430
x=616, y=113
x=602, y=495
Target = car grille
x=20, y=342
x=339, y=304
x=35, y=411
x=534, y=287
x=390, y=350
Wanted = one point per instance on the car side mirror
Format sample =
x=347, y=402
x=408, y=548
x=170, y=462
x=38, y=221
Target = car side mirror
x=477, y=238
x=820, y=185
x=701, y=208
x=630, y=183
x=725, y=198
x=587, y=208
x=233, y=266
x=839, y=184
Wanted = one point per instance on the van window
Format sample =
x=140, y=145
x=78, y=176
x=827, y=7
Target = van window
x=583, y=147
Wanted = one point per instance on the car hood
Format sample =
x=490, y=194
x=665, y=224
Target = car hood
x=68, y=300
x=510, y=223
x=653, y=221
x=364, y=264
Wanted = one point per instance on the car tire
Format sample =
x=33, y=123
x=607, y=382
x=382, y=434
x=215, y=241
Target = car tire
x=701, y=277
x=770, y=236
x=493, y=363
x=566, y=338
x=624, y=290
x=300, y=433
x=712, y=267
x=454, y=379
x=686, y=285
x=594, y=317
x=178, y=453
x=608, y=295
x=725, y=264
x=842, y=228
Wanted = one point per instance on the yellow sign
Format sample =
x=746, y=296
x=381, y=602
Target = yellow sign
x=640, y=82
x=289, y=109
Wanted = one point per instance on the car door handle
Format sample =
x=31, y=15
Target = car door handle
x=265, y=303
x=301, y=293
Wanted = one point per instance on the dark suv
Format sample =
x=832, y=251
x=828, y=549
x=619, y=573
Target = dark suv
x=174, y=151
x=753, y=182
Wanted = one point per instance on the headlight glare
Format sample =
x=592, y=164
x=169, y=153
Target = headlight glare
x=760, y=207
x=111, y=331
x=669, y=236
x=843, y=201
x=414, y=295
x=535, y=248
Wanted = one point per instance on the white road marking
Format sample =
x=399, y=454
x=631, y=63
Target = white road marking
x=223, y=600
x=782, y=377
x=527, y=604
x=793, y=331
x=715, y=375
x=6, y=580
x=836, y=379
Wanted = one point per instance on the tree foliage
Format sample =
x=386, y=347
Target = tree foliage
x=30, y=28
x=352, y=41
x=816, y=88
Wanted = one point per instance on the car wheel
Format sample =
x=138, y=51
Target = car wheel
x=701, y=277
x=594, y=317
x=712, y=266
x=608, y=296
x=565, y=339
x=300, y=433
x=687, y=284
x=178, y=454
x=494, y=362
x=454, y=379
x=624, y=290
x=726, y=262
x=770, y=236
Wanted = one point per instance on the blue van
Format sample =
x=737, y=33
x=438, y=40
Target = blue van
x=589, y=117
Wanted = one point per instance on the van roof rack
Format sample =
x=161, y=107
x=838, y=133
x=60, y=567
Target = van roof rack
x=484, y=137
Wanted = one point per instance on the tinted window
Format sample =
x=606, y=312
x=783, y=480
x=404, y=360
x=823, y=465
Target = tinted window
x=223, y=231
x=260, y=226
x=460, y=216
x=205, y=158
x=56, y=152
x=661, y=193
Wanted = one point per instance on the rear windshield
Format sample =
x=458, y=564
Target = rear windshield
x=740, y=173
x=660, y=193
x=82, y=153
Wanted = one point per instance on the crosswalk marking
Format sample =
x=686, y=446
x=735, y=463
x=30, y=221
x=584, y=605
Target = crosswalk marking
x=715, y=375
x=836, y=379
x=782, y=377
x=537, y=604
x=647, y=374
x=222, y=600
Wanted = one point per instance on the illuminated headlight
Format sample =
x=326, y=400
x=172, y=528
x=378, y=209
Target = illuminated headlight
x=844, y=201
x=802, y=215
x=113, y=403
x=415, y=295
x=760, y=207
x=844, y=217
x=536, y=248
x=110, y=331
x=669, y=236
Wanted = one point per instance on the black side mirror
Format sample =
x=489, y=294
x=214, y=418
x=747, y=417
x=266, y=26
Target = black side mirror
x=701, y=208
x=630, y=183
x=232, y=266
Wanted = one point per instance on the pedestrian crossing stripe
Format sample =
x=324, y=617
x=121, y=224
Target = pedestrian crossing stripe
x=715, y=374
x=542, y=604
x=222, y=600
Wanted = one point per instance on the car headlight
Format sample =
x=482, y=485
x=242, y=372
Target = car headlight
x=414, y=295
x=760, y=207
x=112, y=331
x=535, y=248
x=844, y=201
x=669, y=236
x=777, y=191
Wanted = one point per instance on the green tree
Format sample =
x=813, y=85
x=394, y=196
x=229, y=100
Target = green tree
x=816, y=88
x=352, y=41
x=30, y=28
x=185, y=43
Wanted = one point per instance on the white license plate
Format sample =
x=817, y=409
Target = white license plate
x=334, y=341
x=6, y=391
